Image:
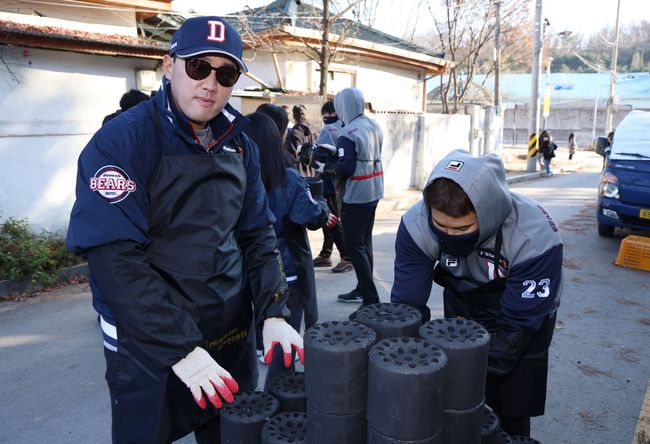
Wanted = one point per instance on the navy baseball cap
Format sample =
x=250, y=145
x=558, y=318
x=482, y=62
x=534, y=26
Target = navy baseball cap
x=207, y=35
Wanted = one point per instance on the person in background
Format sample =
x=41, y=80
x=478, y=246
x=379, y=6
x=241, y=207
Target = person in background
x=300, y=133
x=334, y=235
x=294, y=209
x=572, y=145
x=279, y=116
x=608, y=145
x=285, y=108
x=359, y=185
x=498, y=257
x=172, y=216
x=547, y=148
x=128, y=100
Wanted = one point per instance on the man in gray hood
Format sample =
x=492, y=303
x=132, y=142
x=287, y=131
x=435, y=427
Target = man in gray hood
x=498, y=256
x=359, y=186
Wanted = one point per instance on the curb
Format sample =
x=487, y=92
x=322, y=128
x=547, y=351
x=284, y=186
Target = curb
x=536, y=174
x=8, y=287
x=523, y=177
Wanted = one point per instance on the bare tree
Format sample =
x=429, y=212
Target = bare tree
x=267, y=30
x=464, y=30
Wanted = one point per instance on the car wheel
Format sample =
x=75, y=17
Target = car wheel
x=605, y=230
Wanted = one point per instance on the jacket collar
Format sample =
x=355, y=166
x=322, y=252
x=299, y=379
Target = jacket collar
x=225, y=126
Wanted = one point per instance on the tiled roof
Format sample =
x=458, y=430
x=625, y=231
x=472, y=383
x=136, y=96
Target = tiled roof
x=281, y=12
x=14, y=29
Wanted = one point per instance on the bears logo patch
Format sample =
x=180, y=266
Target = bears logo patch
x=112, y=183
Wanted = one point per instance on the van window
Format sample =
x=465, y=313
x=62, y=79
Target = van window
x=632, y=137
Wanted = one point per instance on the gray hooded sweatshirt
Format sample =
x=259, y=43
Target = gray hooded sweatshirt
x=518, y=306
x=367, y=182
x=531, y=252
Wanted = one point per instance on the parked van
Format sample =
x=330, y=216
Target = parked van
x=624, y=191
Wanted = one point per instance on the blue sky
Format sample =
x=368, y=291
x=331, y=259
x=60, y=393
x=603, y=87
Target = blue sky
x=394, y=16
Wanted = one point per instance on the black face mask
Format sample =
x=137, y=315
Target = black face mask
x=459, y=245
x=329, y=119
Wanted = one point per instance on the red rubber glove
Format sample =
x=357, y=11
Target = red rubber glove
x=200, y=373
x=276, y=331
x=332, y=221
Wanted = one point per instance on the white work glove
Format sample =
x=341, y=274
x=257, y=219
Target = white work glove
x=199, y=371
x=277, y=331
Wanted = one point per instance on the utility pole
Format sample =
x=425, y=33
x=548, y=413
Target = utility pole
x=598, y=70
x=612, y=79
x=547, y=93
x=497, y=56
x=593, y=129
x=533, y=124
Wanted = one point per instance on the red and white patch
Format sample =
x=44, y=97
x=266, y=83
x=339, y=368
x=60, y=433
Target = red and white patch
x=454, y=165
x=112, y=183
x=491, y=271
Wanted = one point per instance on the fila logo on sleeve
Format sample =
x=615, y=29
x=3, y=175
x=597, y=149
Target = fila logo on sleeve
x=112, y=183
x=454, y=165
x=217, y=31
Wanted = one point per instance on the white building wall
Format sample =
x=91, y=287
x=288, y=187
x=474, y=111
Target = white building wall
x=51, y=104
x=442, y=133
x=387, y=87
x=261, y=65
x=390, y=89
x=414, y=143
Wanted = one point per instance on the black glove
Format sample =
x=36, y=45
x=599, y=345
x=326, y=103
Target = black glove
x=507, y=346
x=424, y=311
x=305, y=153
x=322, y=156
x=315, y=185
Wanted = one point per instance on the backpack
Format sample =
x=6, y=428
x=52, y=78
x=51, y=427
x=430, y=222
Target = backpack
x=299, y=135
x=549, y=151
x=302, y=134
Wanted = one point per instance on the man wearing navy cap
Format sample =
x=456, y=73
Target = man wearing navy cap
x=172, y=216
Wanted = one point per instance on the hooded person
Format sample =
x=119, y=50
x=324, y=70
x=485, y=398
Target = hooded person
x=172, y=216
x=498, y=257
x=334, y=235
x=359, y=186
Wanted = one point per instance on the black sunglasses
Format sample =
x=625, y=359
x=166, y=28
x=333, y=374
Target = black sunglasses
x=199, y=69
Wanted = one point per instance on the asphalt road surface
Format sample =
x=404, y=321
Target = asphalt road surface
x=52, y=365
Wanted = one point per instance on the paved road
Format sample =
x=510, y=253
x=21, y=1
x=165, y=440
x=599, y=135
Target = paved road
x=52, y=364
x=600, y=357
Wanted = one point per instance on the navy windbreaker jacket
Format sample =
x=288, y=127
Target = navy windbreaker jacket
x=179, y=239
x=294, y=208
